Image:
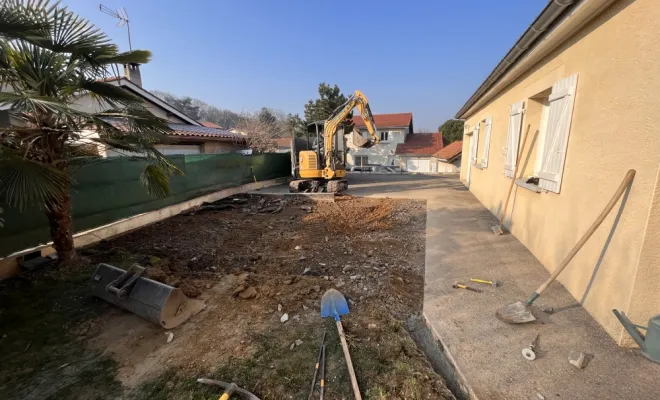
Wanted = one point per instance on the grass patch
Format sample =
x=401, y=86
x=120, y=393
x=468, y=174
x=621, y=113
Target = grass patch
x=387, y=366
x=41, y=357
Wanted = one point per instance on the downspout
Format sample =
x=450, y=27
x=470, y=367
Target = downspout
x=543, y=21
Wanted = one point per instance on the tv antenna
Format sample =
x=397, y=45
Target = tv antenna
x=121, y=15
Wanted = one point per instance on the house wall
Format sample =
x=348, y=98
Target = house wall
x=614, y=128
x=449, y=167
x=383, y=152
x=219, y=147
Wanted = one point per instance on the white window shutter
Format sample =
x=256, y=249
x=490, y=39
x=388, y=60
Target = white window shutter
x=560, y=114
x=484, y=157
x=475, y=144
x=513, y=138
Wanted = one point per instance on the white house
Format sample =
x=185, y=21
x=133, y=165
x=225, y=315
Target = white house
x=393, y=129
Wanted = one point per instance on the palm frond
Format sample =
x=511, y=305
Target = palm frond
x=129, y=57
x=107, y=92
x=17, y=23
x=24, y=182
x=156, y=180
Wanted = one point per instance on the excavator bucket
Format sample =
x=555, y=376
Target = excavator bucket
x=161, y=304
x=361, y=141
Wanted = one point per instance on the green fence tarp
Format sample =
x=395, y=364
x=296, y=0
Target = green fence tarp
x=110, y=190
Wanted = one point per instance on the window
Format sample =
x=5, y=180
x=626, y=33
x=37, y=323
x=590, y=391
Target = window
x=484, y=156
x=384, y=136
x=474, y=145
x=513, y=137
x=361, y=160
x=555, y=142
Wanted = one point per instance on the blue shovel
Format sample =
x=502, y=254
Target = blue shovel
x=333, y=304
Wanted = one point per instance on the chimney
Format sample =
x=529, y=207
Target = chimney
x=132, y=72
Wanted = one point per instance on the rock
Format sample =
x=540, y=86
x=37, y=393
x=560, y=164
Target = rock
x=327, y=278
x=170, y=336
x=400, y=279
x=346, y=268
x=296, y=318
x=193, y=259
x=214, y=267
x=287, y=281
x=372, y=326
x=298, y=342
x=169, y=385
x=298, y=247
x=293, y=345
x=407, y=280
x=577, y=358
x=306, y=270
x=284, y=318
x=243, y=277
x=316, y=288
x=322, y=264
x=248, y=293
x=370, y=253
x=279, y=307
x=305, y=308
x=308, y=209
x=355, y=277
x=540, y=396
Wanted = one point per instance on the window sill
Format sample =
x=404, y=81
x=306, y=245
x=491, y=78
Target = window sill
x=529, y=186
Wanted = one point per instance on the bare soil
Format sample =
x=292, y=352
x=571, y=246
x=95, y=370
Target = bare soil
x=252, y=259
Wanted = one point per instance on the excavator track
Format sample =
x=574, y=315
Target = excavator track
x=337, y=186
x=314, y=186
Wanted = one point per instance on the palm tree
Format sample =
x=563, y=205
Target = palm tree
x=50, y=58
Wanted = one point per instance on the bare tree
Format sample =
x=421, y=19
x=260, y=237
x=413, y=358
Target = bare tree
x=260, y=130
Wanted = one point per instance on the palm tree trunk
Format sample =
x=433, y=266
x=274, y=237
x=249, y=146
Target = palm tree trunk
x=61, y=228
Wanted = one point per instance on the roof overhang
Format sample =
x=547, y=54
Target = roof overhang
x=576, y=16
x=145, y=94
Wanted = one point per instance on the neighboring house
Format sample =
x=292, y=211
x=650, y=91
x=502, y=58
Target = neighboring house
x=449, y=158
x=392, y=130
x=283, y=145
x=188, y=135
x=584, y=81
x=418, y=153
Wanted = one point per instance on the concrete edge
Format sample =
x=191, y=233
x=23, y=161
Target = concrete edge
x=455, y=376
x=9, y=265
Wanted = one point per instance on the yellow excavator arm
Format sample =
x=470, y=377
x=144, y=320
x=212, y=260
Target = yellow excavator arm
x=359, y=100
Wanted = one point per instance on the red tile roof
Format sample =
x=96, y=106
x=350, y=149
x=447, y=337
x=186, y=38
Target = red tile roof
x=420, y=144
x=210, y=124
x=283, y=142
x=453, y=150
x=386, y=120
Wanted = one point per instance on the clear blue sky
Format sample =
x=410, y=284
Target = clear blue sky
x=426, y=57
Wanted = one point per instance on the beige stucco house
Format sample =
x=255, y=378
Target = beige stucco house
x=585, y=79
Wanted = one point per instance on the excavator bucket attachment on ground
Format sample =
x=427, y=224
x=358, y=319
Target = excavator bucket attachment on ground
x=161, y=304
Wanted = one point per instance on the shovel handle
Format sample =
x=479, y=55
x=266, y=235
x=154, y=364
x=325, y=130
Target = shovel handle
x=349, y=363
x=615, y=198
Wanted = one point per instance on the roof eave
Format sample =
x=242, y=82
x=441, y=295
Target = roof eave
x=575, y=16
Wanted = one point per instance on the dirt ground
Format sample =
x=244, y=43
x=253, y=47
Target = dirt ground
x=251, y=259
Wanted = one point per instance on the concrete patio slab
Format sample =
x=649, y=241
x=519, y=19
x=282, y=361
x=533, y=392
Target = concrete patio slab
x=485, y=352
